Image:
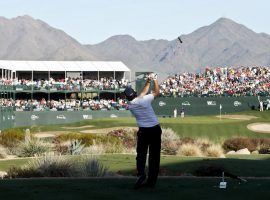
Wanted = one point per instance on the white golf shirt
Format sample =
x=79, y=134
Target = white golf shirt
x=142, y=110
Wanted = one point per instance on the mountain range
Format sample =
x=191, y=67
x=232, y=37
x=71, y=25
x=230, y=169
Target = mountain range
x=222, y=43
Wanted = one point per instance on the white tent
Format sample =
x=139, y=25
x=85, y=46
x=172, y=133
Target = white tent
x=9, y=66
x=70, y=66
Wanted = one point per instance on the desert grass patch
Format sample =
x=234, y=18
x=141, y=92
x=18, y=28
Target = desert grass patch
x=95, y=149
x=3, y=152
x=11, y=137
x=59, y=166
x=214, y=150
x=169, y=141
x=189, y=150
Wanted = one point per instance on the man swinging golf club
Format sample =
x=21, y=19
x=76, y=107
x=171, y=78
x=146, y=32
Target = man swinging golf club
x=149, y=133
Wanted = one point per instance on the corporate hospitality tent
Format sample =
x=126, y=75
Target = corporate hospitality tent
x=9, y=68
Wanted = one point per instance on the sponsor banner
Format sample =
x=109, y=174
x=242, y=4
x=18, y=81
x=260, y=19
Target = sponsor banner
x=34, y=117
x=186, y=103
x=60, y=117
x=87, y=117
x=237, y=103
x=113, y=116
x=162, y=103
x=211, y=103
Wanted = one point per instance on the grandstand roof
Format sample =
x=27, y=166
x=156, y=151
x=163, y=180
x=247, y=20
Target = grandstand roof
x=75, y=66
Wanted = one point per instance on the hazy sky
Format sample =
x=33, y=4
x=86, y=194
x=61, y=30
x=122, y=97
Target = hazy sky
x=92, y=21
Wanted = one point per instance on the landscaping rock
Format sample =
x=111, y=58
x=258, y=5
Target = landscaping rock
x=231, y=152
x=255, y=152
x=243, y=151
x=2, y=174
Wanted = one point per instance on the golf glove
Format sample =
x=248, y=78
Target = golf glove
x=152, y=76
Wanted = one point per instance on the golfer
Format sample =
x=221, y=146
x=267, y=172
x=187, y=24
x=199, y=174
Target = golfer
x=149, y=133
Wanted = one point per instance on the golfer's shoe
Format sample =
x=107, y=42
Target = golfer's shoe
x=140, y=182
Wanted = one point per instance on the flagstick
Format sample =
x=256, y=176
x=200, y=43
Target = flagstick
x=220, y=107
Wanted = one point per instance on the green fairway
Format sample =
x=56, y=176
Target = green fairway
x=200, y=126
x=121, y=188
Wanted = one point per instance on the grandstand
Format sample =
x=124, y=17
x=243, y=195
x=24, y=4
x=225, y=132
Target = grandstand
x=54, y=80
x=220, y=81
x=83, y=86
x=86, y=86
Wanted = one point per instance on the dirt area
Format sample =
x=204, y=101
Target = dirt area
x=48, y=134
x=9, y=157
x=259, y=127
x=78, y=127
x=106, y=130
x=238, y=117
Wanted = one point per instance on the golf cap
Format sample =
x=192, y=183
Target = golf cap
x=129, y=92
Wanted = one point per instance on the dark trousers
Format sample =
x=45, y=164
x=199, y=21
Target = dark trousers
x=149, y=138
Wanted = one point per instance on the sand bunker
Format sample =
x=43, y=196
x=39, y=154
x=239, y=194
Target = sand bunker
x=259, y=127
x=238, y=117
x=106, y=130
x=78, y=127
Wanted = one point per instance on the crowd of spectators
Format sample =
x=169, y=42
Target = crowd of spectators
x=61, y=105
x=221, y=81
x=71, y=84
x=227, y=81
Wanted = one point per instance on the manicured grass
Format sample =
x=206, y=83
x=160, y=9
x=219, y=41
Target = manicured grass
x=6, y=164
x=97, y=189
x=167, y=188
x=200, y=126
x=247, y=166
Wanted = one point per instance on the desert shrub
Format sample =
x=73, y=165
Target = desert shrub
x=76, y=147
x=94, y=149
x=59, y=148
x=87, y=139
x=91, y=167
x=3, y=152
x=22, y=172
x=265, y=141
x=116, y=141
x=58, y=166
x=169, y=141
x=199, y=147
x=214, y=150
x=11, y=137
x=203, y=143
x=68, y=136
x=264, y=149
x=236, y=144
x=209, y=170
x=113, y=145
x=31, y=147
x=120, y=141
x=189, y=150
x=264, y=146
x=128, y=138
x=187, y=140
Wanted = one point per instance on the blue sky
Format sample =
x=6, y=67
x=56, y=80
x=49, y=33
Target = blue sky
x=92, y=21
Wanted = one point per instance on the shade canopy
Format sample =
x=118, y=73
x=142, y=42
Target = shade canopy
x=70, y=66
